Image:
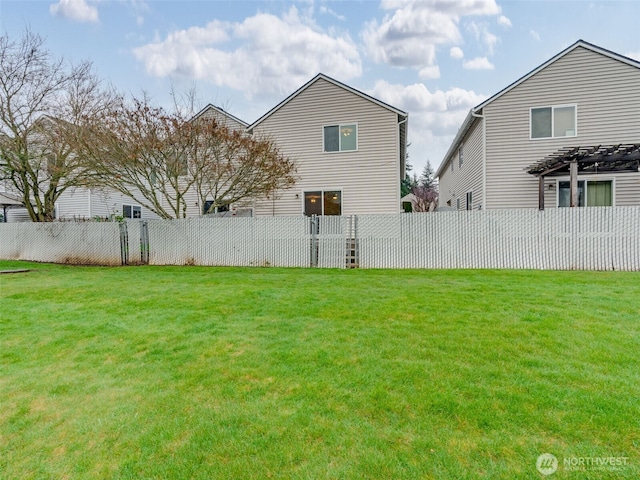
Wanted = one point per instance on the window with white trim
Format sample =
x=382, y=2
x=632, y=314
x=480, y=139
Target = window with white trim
x=460, y=156
x=591, y=193
x=323, y=202
x=469, y=200
x=553, y=122
x=131, y=211
x=340, y=138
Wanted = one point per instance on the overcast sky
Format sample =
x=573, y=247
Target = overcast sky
x=434, y=59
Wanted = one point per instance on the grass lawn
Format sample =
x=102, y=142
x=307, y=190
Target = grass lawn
x=205, y=373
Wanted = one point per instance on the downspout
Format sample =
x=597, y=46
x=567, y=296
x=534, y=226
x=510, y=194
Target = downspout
x=89, y=193
x=404, y=170
x=484, y=157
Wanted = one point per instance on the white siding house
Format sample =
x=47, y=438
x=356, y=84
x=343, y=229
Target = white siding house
x=86, y=203
x=582, y=100
x=349, y=150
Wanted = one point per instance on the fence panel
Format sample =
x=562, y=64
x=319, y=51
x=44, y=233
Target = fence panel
x=274, y=241
x=597, y=238
x=89, y=243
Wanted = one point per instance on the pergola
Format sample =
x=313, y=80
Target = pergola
x=576, y=160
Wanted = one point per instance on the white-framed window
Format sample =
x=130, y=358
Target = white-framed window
x=323, y=202
x=460, y=156
x=591, y=193
x=340, y=138
x=131, y=211
x=469, y=200
x=458, y=203
x=553, y=122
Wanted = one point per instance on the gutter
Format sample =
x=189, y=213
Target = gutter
x=484, y=157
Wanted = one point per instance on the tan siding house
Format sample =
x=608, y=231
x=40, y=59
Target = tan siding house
x=584, y=96
x=349, y=150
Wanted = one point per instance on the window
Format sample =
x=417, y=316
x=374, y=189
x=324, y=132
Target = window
x=323, y=203
x=131, y=211
x=218, y=209
x=458, y=203
x=596, y=193
x=452, y=165
x=469, y=200
x=460, y=156
x=553, y=122
x=340, y=138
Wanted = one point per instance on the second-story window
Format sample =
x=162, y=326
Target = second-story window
x=553, y=122
x=340, y=138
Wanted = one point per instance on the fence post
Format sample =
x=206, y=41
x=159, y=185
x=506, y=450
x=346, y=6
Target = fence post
x=124, y=243
x=314, y=240
x=144, y=242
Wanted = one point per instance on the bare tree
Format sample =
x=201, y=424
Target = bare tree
x=162, y=159
x=42, y=99
x=232, y=167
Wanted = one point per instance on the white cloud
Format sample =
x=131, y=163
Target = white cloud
x=456, y=52
x=535, y=35
x=410, y=34
x=429, y=72
x=482, y=34
x=271, y=55
x=478, y=63
x=504, y=21
x=434, y=118
x=328, y=11
x=77, y=10
x=634, y=55
x=436, y=114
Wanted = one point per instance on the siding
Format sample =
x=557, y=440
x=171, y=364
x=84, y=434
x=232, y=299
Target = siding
x=607, y=94
x=84, y=203
x=469, y=177
x=369, y=178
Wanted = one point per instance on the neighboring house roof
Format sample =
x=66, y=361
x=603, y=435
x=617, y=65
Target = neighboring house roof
x=8, y=200
x=472, y=117
x=221, y=112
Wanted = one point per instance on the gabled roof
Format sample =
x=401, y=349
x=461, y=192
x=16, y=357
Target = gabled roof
x=7, y=200
x=322, y=76
x=220, y=111
x=471, y=118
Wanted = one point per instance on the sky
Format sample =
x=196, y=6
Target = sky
x=434, y=59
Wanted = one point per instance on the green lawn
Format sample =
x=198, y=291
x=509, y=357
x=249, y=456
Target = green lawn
x=204, y=373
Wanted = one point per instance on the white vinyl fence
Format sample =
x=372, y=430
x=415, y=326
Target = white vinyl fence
x=62, y=242
x=599, y=238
